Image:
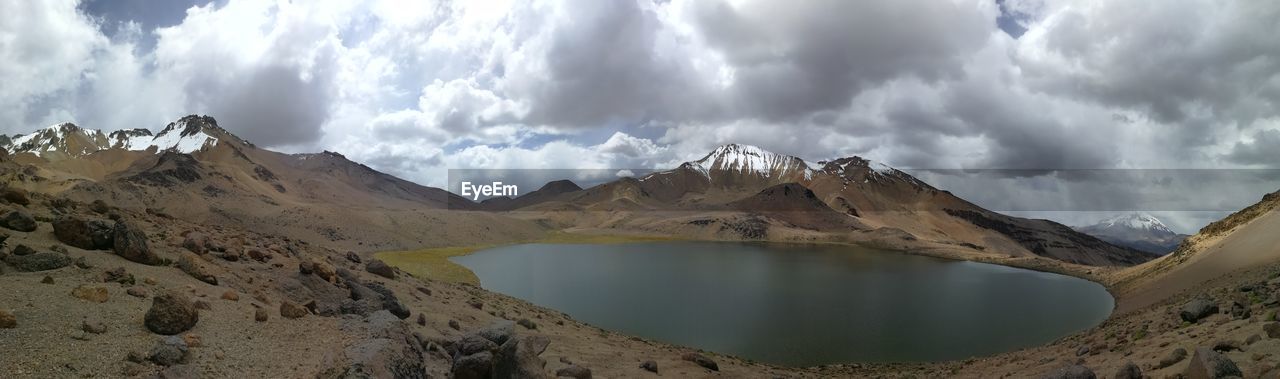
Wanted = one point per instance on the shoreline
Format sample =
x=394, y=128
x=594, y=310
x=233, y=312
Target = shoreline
x=421, y=262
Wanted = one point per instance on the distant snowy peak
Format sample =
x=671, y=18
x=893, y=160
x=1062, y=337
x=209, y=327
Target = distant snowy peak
x=747, y=159
x=1141, y=221
x=187, y=135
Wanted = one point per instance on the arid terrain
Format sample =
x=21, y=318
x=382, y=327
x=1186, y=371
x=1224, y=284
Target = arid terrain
x=263, y=264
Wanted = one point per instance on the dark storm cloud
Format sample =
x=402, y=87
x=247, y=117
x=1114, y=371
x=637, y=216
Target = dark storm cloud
x=606, y=65
x=1264, y=149
x=272, y=106
x=793, y=59
x=1174, y=63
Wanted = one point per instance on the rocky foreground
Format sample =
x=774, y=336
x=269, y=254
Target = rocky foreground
x=95, y=291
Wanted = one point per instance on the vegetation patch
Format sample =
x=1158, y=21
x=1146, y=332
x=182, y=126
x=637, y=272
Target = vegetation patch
x=434, y=263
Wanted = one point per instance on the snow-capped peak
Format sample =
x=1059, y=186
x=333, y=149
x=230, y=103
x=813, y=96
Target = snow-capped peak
x=1136, y=220
x=751, y=160
x=187, y=135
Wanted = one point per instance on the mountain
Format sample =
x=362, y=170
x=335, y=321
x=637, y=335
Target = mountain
x=548, y=192
x=745, y=192
x=195, y=170
x=1243, y=240
x=1137, y=230
x=62, y=141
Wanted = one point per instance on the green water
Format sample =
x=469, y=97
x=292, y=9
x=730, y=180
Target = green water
x=797, y=305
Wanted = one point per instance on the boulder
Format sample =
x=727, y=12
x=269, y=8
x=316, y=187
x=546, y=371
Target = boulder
x=650, y=366
x=574, y=371
x=1272, y=329
x=1198, y=308
x=93, y=326
x=1071, y=372
x=15, y=195
x=1207, y=363
x=169, y=351
x=18, y=220
x=499, y=332
x=1240, y=309
x=83, y=233
x=701, y=360
x=292, y=310
x=260, y=315
x=1175, y=356
x=196, y=242
x=42, y=261
x=519, y=358
x=353, y=257
x=474, y=366
x=171, y=313
x=7, y=319
x=380, y=268
x=471, y=344
x=96, y=294
x=130, y=243
x=23, y=250
x=100, y=207
x=1130, y=370
x=137, y=291
x=231, y=295
x=198, y=268
x=391, y=351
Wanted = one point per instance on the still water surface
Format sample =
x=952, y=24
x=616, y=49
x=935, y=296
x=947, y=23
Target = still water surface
x=796, y=305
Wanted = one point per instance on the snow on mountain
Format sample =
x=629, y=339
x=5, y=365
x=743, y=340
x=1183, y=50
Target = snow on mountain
x=1141, y=221
x=749, y=159
x=1137, y=230
x=187, y=135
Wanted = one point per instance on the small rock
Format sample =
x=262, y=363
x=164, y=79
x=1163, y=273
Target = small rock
x=1252, y=339
x=422, y=319
x=93, y=326
x=22, y=250
x=701, y=360
x=201, y=305
x=169, y=351
x=1175, y=356
x=499, y=332
x=260, y=315
x=130, y=243
x=198, y=268
x=1129, y=371
x=1198, y=308
x=454, y=324
x=137, y=291
x=291, y=310
x=18, y=220
x=527, y=324
x=425, y=291
x=380, y=268
x=196, y=242
x=1240, y=309
x=231, y=295
x=1071, y=372
x=192, y=340
x=83, y=263
x=1207, y=363
x=41, y=261
x=1272, y=329
x=474, y=366
x=650, y=366
x=574, y=371
x=475, y=303
x=136, y=357
x=1226, y=345
x=1083, y=350
x=47, y=280
x=7, y=319
x=96, y=294
x=132, y=369
x=171, y=313
x=353, y=257
x=80, y=335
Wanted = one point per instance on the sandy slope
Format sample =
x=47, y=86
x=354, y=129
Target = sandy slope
x=1250, y=245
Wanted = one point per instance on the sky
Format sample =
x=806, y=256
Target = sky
x=415, y=87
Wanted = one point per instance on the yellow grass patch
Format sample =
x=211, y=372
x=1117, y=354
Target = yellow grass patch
x=434, y=263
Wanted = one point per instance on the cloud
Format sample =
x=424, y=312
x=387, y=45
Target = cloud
x=418, y=87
